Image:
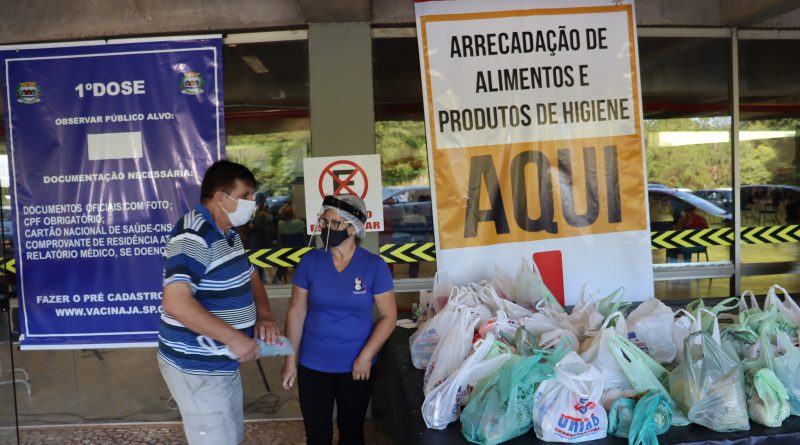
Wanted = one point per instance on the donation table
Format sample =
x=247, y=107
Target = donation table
x=397, y=411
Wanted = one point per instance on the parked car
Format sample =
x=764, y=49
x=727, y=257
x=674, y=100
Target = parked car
x=761, y=203
x=407, y=215
x=667, y=203
x=721, y=197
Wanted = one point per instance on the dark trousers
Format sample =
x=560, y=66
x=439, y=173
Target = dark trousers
x=318, y=392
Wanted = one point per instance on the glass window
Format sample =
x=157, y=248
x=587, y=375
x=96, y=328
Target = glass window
x=769, y=92
x=688, y=150
x=268, y=130
x=400, y=140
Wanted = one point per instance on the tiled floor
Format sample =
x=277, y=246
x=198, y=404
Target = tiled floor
x=260, y=432
x=86, y=389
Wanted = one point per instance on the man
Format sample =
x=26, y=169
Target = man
x=211, y=289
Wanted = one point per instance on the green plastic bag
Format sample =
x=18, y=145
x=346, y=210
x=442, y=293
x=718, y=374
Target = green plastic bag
x=651, y=418
x=620, y=417
x=503, y=406
x=613, y=303
x=644, y=373
x=709, y=386
x=787, y=368
x=767, y=397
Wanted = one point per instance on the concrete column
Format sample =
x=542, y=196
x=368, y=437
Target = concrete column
x=342, y=106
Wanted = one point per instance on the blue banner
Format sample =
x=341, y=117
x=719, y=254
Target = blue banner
x=108, y=144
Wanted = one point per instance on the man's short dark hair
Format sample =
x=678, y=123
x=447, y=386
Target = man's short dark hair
x=222, y=175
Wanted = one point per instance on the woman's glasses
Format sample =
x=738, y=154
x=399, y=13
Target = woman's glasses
x=334, y=224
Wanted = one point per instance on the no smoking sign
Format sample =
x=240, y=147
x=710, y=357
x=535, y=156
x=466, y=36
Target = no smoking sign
x=358, y=175
x=343, y=178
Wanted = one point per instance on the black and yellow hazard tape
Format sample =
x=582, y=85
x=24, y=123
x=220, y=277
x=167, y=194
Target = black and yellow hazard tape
x=673, y=239
x=281, y=257
x=391, y=253
x=8, y=265
x=421, y=252
x=408, y=253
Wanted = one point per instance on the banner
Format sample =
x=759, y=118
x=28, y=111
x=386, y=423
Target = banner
x=344, y=175
x=533, y=119
x=108, y=144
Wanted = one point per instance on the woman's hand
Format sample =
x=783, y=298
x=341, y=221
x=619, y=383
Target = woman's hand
x=289, y=373
x=361, y=367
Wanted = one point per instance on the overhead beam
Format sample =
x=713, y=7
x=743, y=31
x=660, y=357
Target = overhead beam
x=742, y=13
x=325, y=11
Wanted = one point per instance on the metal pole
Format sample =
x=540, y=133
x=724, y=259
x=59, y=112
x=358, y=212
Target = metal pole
x=736, y=250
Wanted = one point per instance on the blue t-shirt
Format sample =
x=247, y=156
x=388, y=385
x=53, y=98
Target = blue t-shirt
x=339, y=318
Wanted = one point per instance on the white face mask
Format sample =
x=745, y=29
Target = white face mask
x=243, y=212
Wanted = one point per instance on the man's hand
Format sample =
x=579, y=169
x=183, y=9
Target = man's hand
x=267, y=330
x=245, y=348
x=361, y=367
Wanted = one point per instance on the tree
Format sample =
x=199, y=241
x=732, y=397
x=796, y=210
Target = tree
x=403, y=150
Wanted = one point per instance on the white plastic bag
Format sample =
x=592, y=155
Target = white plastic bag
x=513, y=310
x=599, y=354
x=500, y=324
x=787, y=368
x=551, y=328
x=452, y=349
x=585, y=319
x=788, y=307
x=525, y=286
x=423, y=342
x=650, y=328
x=503, y=284
x=567, y=408
x=441, y=406
x=695, y=324
x=442, y=290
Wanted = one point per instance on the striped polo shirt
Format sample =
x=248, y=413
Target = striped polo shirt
x=217, y=269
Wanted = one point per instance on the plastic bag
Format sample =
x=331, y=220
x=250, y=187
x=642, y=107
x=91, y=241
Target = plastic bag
x=703, y=317
x=441, y=406
x=644, y=373
x=551, y=329
x=503, y=284
x=681, y=328
x=613, y=303
x=501, y=406
x=567, y=408
x=787, y=368
x=709, y=385
x=513, y=310
x=788, y=307
x=584, y=318
x=425, y=309
x=281, y=347
x=651, y=418
x=451, y=351
x=621, y=416
x=423, y=342
x=599, y=354
x=499, y=324
x=442, y=290
x=650, y=329
x=526, y=286
x=767, y=398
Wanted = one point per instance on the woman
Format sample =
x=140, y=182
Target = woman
x=330, y=323
x=291, y=233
